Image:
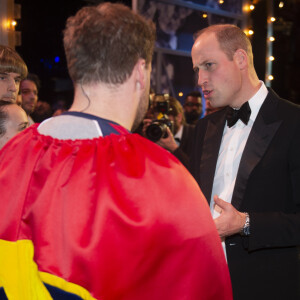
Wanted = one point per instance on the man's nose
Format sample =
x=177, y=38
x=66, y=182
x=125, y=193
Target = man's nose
x=32, y=95
x=13, y=86
x=202, y=78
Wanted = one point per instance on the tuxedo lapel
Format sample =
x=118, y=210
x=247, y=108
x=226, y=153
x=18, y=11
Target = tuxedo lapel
x=261, y=135
x=211, y=145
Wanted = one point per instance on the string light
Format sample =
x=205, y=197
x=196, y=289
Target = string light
x=204, y=16
x=248, y=7
x=9, y=24
x=248, y=32
x=281, y=4
x=180, y=94
x=221, y=1
x=270, y=38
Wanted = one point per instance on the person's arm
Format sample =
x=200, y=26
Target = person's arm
x=266, y=229
x=280, y=229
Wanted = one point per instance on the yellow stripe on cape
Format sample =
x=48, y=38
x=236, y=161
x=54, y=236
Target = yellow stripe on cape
x=20, y=278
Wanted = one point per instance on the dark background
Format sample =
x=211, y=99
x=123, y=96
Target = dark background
x=42, y=23
x=286, y=48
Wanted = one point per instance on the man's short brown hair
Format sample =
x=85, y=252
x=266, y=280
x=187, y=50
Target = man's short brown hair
x=103, y=43
x=230, y=38
x=11, y=62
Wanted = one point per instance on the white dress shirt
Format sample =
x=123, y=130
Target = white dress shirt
x=178, y=135
x=232, y=146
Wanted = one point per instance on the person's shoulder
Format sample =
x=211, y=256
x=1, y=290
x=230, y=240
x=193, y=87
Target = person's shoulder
x=214, y=117
x=288, y=105
x=188, y=128
x=289, y=112
x=276, y=109
x=283, y=104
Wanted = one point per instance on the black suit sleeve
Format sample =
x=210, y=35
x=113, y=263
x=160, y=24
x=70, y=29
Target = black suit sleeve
x=279, y=229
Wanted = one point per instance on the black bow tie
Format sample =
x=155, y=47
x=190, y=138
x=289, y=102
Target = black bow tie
x=243, y=113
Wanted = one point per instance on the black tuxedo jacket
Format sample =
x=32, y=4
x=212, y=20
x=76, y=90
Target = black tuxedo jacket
x=265, y=265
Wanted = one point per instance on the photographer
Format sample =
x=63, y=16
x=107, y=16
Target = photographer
x=168, y=128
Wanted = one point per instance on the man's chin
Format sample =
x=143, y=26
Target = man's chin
x=29, y=110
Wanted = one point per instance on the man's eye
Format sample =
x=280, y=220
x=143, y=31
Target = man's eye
x=196, y=70
x=208, y=65
x=23, y=126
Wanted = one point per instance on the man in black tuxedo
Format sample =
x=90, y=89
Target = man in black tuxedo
x=246, y=159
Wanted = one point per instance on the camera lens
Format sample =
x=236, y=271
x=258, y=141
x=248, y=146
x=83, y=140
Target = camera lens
x=155, y=131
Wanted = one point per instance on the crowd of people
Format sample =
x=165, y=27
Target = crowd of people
x=21, y=88
x=190, y=208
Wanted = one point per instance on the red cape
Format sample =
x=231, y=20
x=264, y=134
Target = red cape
x=118, y=216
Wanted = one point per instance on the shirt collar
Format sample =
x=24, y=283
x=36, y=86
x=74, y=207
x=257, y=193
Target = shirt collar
x=257, y=100
x=179, y=133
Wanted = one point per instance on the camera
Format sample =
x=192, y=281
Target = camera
x=158, y=127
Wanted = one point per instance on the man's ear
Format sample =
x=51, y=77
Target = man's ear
x=241, y=58
x=140, y=73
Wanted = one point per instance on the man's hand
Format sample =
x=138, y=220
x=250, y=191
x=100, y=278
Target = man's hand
x=230, y=220
x=168, y=142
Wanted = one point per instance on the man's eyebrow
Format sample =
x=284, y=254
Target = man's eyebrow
x=3, y=73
